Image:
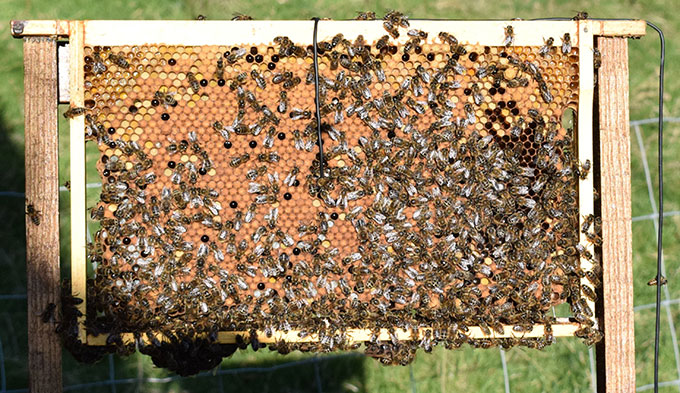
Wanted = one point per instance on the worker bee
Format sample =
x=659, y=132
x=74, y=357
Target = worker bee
x=239, y=16
x=259, y=80
x=98, y=66
x=368, y=15
x=580, y=15
x=235, y=55
x=73, y=112
x=48, y=315
x=34, y=214
x=283, y=102
x=583, y=169
x=193, y=82
x=119, y=60
x=379, y=45
x=547, y=47
x=237, y=161
x=299, y=114
x=545, y=91
x=509, y=36
x=566, y=43
x=165, y=97
x=661, y=281
x=597, y=58
x=219, y=69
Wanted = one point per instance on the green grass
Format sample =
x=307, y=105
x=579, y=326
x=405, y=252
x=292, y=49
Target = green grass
x=561, y=367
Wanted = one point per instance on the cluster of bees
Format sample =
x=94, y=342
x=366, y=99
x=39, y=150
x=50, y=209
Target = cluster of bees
x=446, y=195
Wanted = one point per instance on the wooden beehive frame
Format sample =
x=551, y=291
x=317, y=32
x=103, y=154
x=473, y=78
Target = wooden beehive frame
x=530, y=33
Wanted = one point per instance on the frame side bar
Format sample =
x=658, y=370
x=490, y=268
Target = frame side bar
x=77, y=176
x=616, y=366
x=42, y=191
x=586, y=198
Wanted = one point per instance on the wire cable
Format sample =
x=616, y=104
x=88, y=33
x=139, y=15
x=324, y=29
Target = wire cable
x=316, y=98
x=659, y=250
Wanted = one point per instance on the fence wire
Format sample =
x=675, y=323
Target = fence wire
x=112, y=382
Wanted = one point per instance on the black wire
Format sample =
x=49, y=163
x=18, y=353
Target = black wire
x=659, y=249
x=316, y=91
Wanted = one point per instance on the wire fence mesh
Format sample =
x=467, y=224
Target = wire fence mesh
x=112, y=382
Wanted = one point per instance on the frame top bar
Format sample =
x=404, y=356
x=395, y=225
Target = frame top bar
x=24, y=28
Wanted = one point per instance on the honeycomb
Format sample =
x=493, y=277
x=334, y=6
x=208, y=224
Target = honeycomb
x=446, y=195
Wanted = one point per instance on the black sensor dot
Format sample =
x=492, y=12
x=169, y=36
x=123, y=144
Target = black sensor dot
x=334, y=216
x=287, y=196
x=249, y=58
x=204, y=82
x=227, y=145
x=296, y=251
x=233, y=204
x=165, y=117
x=260, y=286
x=205, y=238
x=252, y=144
x=172, y=62
x=221, y=82
x=281, y=136
x=171, y=164
x=259, y=58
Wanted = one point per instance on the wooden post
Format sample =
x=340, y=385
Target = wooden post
x=42, y=191
x=616, y=354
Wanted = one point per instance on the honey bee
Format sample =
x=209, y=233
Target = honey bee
x=193, y=82
x=73, y=112
x=299, y=114
x=119, y=60
x=580, y=15
x=654, y=282
x=237, y=161
x=98, y=66
x=238, y=16
x=165, y=97
x=547, y=47
x=34, y=214
x=219, y=69
x=584, y=169
x=380, y=44
x=368, y=15
x=235, y=55
x=261, y=83
x=509, y=36
x=48, y=315
x=283, y=102
x=566, y=43
x=597, y=58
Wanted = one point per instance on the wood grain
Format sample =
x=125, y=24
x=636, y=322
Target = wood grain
x=42, y=191
x=616, y=364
